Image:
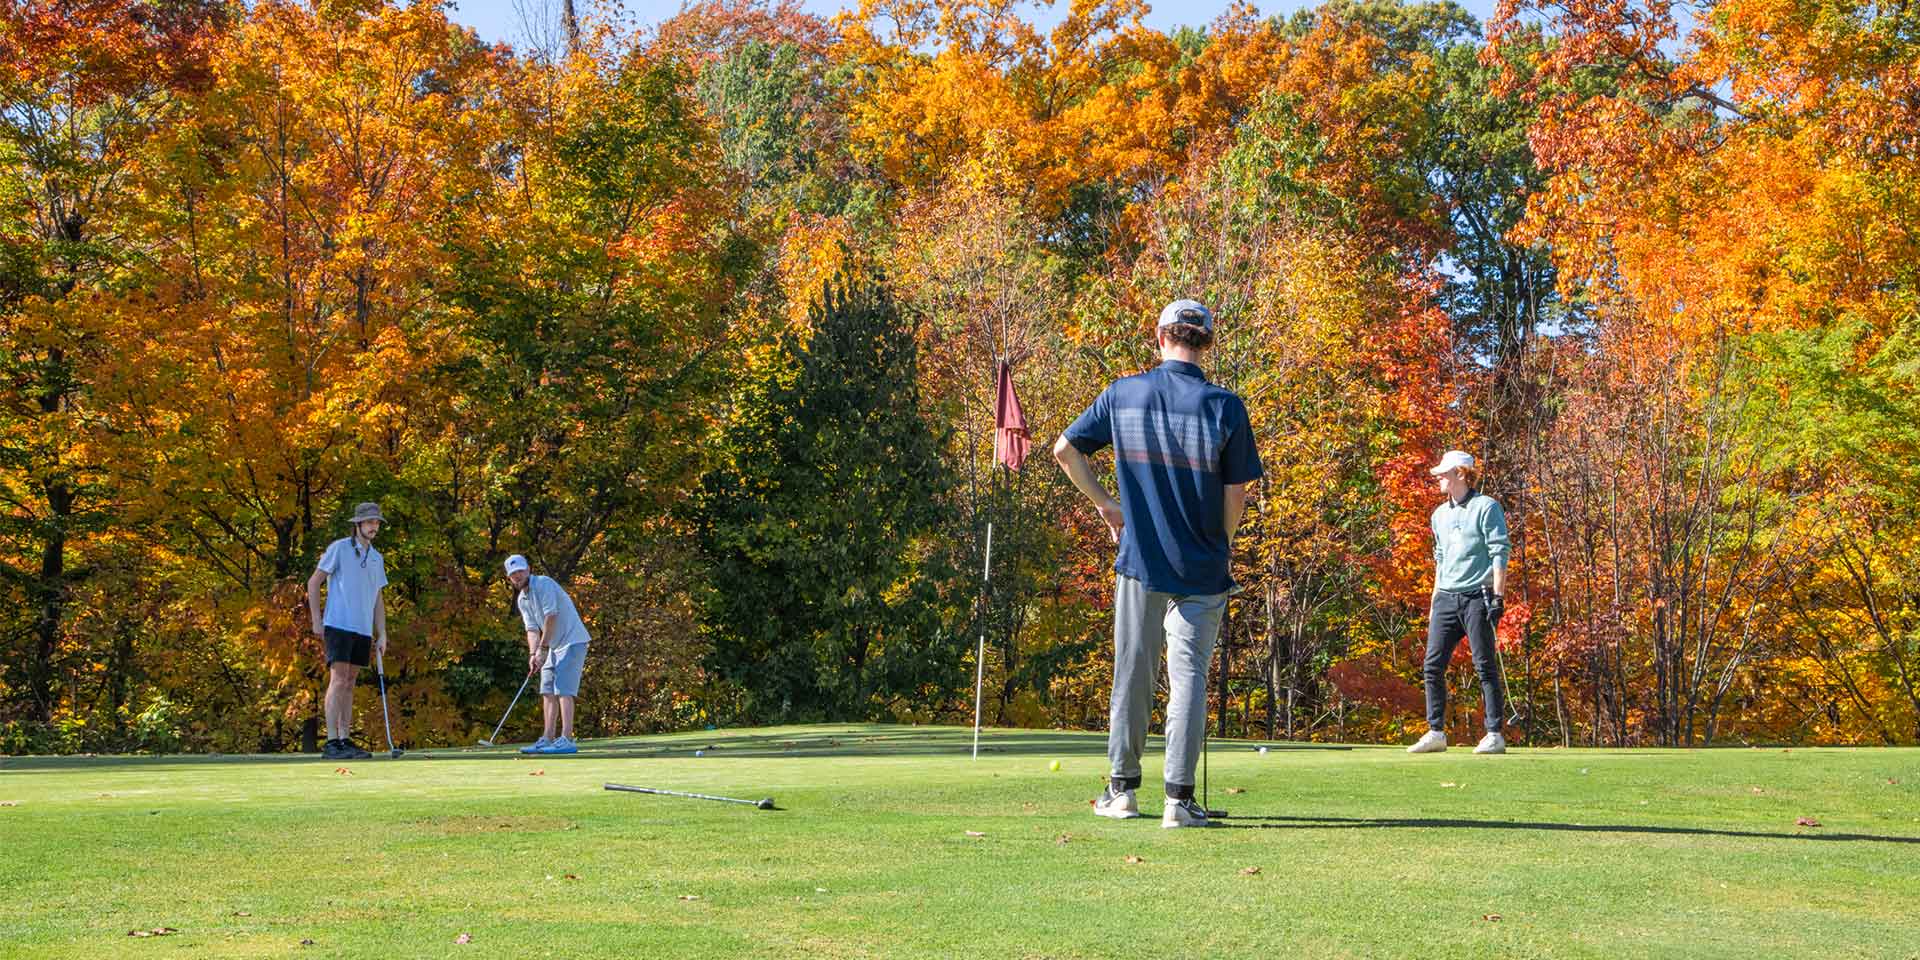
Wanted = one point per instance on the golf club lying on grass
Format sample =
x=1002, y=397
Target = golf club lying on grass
x=488, y=742
x=766, y=804
x=380, y=670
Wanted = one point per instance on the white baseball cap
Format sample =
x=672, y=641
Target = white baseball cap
x=1186, y=311
x=515, y=564
x=1453, y=459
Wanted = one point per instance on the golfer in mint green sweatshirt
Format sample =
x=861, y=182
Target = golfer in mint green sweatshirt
x=1470, y=548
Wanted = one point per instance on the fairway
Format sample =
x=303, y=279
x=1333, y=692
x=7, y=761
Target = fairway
x=891, y=842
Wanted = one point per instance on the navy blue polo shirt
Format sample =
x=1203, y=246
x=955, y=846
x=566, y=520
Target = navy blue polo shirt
x=1178, y=441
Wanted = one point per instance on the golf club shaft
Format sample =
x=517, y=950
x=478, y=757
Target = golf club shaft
x=380, y=670
x=510, y=705
x=1506, y=687
x=676, y=793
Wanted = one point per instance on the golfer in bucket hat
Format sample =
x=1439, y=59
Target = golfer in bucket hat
x=354, y=622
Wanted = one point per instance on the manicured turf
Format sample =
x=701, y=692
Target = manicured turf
x=874, y=853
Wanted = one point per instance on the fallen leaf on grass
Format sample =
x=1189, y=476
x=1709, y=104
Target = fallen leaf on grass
x=463, y=938
x=537, y=773
x=572, y=876
x=242, y=913
x=1449, y=783
x=1236, y=789
x=689, y=896
x=1063, y=839
x=1806, y=822
x=819, y=889
x=343, y=771
x=1250, y=871
x=1492, y=917
x=1757, y=790
x=1130, y=858
x=1891, y=782
x=975, y=833
x=306, y=943
x=155, y=932
x=10, y=803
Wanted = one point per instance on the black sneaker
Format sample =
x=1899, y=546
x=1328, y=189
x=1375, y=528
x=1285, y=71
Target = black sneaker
x=1184, y=813
x=351, y=751
x=332, y=751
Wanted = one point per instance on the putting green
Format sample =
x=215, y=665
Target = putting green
x=891, y=842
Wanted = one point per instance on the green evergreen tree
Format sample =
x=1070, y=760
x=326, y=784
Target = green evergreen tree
x=821, y=533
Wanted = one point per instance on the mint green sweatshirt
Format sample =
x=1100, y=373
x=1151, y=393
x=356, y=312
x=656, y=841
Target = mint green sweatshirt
x=1469, y=543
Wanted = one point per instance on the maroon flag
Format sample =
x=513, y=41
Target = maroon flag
x=1010, y=438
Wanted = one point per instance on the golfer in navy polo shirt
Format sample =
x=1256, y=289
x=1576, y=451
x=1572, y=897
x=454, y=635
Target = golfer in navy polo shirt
x=1183, y=456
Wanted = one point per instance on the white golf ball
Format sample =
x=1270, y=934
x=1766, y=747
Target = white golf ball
x=699, y=753
x=1263, y=751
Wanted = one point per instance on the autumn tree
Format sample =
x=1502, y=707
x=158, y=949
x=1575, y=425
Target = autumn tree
x=83, y=87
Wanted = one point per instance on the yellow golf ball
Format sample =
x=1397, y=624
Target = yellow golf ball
x=1054, y=765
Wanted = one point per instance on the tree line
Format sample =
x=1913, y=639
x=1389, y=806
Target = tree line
x=704, y=317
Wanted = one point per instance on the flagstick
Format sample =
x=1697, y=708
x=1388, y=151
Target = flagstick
x=980, y=653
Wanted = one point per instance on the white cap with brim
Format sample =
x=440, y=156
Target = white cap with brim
x=515, y=564
x=1453, y=460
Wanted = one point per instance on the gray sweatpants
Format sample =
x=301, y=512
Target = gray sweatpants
x=1143, y=622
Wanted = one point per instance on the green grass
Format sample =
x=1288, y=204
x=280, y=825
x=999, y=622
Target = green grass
x=1361, y=852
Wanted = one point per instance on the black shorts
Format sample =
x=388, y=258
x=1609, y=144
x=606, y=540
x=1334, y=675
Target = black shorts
x=354, y=648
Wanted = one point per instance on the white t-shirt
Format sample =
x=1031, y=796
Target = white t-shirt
x=542, y=597
x=354, y=579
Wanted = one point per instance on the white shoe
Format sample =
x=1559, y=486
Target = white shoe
x=1492, y=743
x=1116, y=806
x=1434, y=742
x=1184, y=813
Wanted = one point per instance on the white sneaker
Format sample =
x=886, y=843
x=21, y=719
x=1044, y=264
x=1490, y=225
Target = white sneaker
x=1434, y=742
x=1116, y=806
x=1184, y=813
x=1492, y=743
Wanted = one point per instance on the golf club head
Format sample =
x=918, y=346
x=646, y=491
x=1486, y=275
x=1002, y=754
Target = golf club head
x=486, y=743
x=395, y=753
x=766, y=804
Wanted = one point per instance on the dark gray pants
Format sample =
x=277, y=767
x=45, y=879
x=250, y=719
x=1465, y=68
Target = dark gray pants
x=1456, y=615
x=1144, y=623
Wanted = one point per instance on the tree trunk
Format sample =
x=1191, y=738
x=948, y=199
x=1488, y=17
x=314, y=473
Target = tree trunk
x=50, y=598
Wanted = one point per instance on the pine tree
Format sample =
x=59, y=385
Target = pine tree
x=825, y=584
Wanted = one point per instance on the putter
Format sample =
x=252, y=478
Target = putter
x=764, y=804
x=1515, y=716
x=380, y=670
x=488, y=742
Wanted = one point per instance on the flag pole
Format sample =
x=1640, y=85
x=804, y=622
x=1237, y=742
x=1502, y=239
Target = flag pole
x=980, y=652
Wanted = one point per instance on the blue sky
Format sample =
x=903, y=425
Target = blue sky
x=498, y=20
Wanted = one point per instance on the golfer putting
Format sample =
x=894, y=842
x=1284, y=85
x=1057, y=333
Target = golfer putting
x=1470, y=548
x=352, y=626
x=1183, y=456
x=556, y=650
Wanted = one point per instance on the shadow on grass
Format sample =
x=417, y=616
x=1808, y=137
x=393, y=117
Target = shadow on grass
x=870, y=741
x=1443, y=823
